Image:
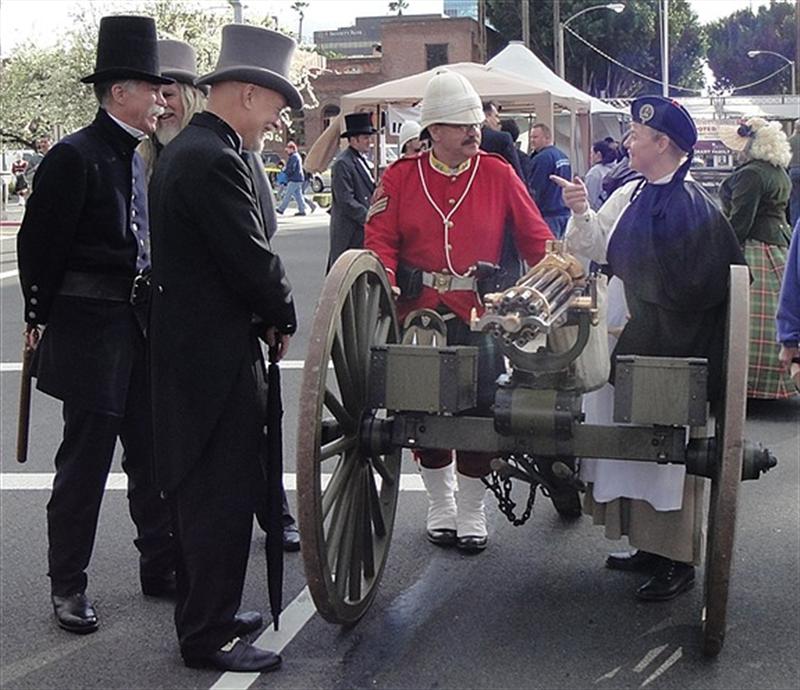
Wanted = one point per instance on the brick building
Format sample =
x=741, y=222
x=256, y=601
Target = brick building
x=408, y=45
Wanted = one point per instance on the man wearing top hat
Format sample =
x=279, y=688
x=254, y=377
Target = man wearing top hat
x=178, y=61
x=184, y=98
x=218, y=287
x=84, y=263
x=351, y=187
x=672, y=248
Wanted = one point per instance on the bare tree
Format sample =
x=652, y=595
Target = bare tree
x=398, y=6
x=299, y=6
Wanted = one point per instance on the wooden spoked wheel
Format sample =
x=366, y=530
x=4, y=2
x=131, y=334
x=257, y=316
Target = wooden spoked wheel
x=728, y=471
x=347, y=497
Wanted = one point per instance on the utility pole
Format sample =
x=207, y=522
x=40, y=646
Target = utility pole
x=557, y=35
x=482, y=30
x=237, y=11
x=796, y=85
x=526, y=22
x=665, y=48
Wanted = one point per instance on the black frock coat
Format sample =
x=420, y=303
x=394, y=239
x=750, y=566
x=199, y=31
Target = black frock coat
x=502, y=143
x=351, y=192
x=214, y=274
x=78, y=219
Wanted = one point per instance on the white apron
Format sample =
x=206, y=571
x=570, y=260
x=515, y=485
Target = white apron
x=660, y=485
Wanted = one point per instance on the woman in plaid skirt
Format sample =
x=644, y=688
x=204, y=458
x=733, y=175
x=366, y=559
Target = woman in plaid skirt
x=754, y=199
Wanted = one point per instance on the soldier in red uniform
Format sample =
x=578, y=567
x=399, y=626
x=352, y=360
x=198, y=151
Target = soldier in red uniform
x=434, y=217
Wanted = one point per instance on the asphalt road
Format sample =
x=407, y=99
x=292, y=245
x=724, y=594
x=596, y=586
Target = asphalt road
x=537, y=609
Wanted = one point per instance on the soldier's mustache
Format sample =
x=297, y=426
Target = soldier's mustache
x=469, y=140
x=156, y=111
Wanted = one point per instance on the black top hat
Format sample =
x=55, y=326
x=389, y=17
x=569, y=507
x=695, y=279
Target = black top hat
x=126, y=49
x=256, y=56
x=358, y=123
x=178, y=61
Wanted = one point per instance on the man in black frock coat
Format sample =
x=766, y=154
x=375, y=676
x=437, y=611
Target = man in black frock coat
x=351, y=187
x=218, y=287
x=494, y=140
x=84, y=260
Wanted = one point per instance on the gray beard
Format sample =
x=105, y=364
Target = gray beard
x=166, y=134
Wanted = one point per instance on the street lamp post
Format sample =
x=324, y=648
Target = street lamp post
x=613, y=6
x=753, y=53
x=237, y=10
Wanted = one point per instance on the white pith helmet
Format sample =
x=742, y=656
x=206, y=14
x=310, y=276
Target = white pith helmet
x=450, y=99
x=410, y=130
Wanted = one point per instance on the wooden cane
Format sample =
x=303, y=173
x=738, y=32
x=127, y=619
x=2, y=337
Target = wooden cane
x=23, y=425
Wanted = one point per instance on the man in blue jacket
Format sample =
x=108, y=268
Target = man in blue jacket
x=788, y=316
x=548, y=160
x=295, y=177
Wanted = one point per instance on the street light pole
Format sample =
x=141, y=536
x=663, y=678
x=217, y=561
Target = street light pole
x=752, y=53
x=665, y=49
x=613, y=6
x=526, y=23
x=237, y=10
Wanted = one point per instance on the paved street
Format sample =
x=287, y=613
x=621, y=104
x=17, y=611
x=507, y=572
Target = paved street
x=537, y=609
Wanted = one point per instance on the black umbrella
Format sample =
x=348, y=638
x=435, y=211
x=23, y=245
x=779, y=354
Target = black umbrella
x=274, y=475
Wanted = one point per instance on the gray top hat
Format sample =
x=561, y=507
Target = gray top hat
x=178, y=61
x=256, y=56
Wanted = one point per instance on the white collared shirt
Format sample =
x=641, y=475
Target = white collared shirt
x=138, y=133
x=364, y=163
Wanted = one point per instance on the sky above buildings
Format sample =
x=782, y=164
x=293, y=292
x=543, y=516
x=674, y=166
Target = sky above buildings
x=40, y=20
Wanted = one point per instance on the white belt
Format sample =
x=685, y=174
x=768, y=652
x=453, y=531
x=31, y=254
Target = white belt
x=445, y=282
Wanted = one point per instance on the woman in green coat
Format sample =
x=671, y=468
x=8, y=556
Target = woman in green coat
x=754, y=199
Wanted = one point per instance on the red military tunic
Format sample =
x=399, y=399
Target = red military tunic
x=403, y=226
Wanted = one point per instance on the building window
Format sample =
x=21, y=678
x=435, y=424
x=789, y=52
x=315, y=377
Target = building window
x=435, y=54
x=298, y=129
x=328, y=113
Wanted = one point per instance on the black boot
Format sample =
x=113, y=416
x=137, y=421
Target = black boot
x=75, y=613
x=635, y=561
x=671, y=579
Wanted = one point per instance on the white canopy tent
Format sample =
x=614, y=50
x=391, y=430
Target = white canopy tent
x=606, y=120
x=515, y=58
x=507, y=90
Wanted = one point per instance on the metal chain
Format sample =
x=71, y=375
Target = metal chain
x=505, y=503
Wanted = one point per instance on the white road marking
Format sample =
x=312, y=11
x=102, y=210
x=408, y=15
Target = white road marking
x=9, y=274
x=293, y=619
x=647, y=658
x=609, y=675
x=662, y=625
x=677, y=654
x=118, y=481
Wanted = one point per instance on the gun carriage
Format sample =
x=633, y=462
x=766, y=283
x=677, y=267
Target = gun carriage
x=366, y=395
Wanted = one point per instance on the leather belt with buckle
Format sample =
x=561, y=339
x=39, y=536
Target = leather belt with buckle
x=444, y=282
x=105, y=287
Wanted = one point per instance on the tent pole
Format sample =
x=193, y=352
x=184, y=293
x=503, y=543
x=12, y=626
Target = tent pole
x=376, y=171
x=573, y=145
